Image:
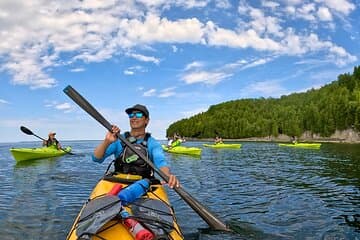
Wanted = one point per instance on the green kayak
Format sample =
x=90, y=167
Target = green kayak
x=223, y=145
x=301, y=145
x=22, y=154
x=183, y=150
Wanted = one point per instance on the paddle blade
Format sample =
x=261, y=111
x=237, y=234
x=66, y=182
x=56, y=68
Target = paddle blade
x=26, y=130
x=29, y=132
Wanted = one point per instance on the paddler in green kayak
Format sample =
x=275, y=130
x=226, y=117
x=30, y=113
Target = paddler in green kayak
x=293, y=140
x=175, y=141
x=218, y=140
x=127, y=161
x=52, y=141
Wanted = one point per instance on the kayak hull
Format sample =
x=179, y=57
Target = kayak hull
x=183, y=150
x=23, y=154
x=223, y=145
x=301, y=145
x=115, y=228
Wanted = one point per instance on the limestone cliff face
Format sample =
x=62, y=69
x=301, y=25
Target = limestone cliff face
x=345, y=136
x=349, y=136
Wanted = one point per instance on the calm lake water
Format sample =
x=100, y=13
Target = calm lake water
x=262, y=191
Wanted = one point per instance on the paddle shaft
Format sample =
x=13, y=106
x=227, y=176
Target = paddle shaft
x=38, y=137
x=208, y=217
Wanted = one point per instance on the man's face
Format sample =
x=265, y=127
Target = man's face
x=138, y=120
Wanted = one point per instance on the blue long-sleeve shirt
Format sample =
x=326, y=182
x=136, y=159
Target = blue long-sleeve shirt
x=156, y=153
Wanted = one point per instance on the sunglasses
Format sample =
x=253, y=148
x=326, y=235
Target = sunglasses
x=136, y=114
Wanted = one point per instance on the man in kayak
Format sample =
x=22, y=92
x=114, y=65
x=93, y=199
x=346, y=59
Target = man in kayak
x=127, y=161
x=52, y=141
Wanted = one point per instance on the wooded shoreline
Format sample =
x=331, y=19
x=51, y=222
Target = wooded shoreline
x=345, y=136
x=328, y=114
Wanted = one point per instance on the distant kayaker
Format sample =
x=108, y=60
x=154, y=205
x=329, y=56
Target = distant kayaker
x=170, y=140
x=293, y=140
x=175, y=141
x=126, y=161
x=52, y=141
x=218, y=140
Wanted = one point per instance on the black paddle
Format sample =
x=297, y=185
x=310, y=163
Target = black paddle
x=206, y=215
x=29, y=132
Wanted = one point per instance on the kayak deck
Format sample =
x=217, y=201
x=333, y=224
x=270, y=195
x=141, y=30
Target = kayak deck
x=22, y=154
x=183, y=150
x=115, y=228
x=301, y=145
x=223, y=145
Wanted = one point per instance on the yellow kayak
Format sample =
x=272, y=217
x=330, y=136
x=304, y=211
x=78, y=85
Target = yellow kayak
x=223, y=145
x=23, y=154
x=301, y=145
x=152, y=212
x=183, y=150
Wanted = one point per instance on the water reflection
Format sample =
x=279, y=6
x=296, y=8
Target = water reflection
x=342, y=163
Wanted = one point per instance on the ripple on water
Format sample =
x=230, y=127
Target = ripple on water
x=261, y=190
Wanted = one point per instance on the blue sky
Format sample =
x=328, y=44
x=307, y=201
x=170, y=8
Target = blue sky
x=178, y=57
